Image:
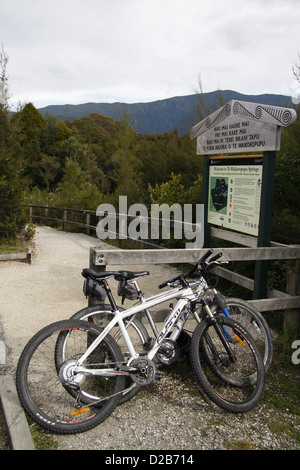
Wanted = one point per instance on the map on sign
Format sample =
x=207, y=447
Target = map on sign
x=242, y=127
x=234, y=193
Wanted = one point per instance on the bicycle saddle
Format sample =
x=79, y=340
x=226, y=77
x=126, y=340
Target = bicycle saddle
x=130, y=274
x=87, y=272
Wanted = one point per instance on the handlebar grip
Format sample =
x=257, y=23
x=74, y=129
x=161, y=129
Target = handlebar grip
x=164, y=284
x=206, y=255
x=217, y=256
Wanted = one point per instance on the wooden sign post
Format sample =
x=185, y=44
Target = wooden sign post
x=238, y=189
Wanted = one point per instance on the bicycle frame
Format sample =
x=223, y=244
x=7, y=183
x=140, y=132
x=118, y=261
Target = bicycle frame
x=186, y=296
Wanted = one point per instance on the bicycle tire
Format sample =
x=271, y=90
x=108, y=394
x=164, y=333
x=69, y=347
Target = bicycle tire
x=100, y=315
x=231, y=391
x=42, y=388
x=254, y=322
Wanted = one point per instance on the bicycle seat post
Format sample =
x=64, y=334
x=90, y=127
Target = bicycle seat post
x=147, y=312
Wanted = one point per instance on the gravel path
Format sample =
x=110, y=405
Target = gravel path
x=167, y=415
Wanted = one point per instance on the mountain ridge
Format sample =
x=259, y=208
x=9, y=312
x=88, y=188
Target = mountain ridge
x=165, y=115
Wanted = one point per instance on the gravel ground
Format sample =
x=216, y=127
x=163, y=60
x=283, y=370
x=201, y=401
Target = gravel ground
x=166, y=415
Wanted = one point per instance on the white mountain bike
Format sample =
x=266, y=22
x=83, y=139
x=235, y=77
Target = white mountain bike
x=71, y=375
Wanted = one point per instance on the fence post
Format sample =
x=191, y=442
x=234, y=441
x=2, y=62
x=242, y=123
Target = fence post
x=205, y=199
x=291, y=321
x=265, y=223
x=64, y=220
x=88, y=223
x=98, y=268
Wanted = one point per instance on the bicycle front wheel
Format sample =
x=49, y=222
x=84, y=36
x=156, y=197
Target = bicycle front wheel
x=230, y=384
x=43, y=378
x=254, y=322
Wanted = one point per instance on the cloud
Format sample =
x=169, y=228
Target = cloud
x=73, y=51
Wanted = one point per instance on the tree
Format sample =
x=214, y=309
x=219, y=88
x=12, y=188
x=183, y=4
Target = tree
x=127, y=177
x=286, y=220
x=11, y=220
x=296, y=69
x=75, y=190
x=27, y=126
x=4, y=88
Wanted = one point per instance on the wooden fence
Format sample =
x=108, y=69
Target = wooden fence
x=288, y=301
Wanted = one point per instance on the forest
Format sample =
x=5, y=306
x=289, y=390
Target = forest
x=94, y=159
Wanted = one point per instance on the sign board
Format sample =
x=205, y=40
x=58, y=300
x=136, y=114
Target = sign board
x=238, y=194
x=235, y=192
x=242, y=127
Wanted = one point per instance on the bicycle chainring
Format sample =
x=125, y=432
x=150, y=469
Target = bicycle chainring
x=169, y=352
x=145, y=371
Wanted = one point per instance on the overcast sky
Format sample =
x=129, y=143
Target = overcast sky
x=76, y=51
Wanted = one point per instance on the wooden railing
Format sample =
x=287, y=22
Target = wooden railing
x=65, y=220
x=154, y=254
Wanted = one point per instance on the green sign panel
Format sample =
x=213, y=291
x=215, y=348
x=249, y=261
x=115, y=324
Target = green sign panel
x=235, y=193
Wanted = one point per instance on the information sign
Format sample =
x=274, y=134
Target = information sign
x=235, y=192
x=242, y=127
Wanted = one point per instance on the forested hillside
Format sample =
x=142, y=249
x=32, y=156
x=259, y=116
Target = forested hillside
x=158, y=117
x=94, y=159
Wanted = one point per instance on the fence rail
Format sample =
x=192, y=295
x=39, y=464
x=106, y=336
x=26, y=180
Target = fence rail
x=99, y=259
x=64, y=221
x=154, y=254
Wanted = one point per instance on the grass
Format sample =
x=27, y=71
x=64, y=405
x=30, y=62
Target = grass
x=238, y=445
x=20, y=243
x=15, y=246
x=283, y=379
x=282, y=393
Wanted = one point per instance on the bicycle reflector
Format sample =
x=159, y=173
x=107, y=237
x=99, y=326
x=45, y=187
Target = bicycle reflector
x=239, y=340
x=80, y=411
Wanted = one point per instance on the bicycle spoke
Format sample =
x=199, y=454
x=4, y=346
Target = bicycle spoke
x=53, y=393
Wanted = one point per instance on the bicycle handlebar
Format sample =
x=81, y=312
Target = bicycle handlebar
x=164, y=284
x=200, y=265
x=217, y=256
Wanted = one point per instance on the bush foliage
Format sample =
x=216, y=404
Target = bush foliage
x=94, y=159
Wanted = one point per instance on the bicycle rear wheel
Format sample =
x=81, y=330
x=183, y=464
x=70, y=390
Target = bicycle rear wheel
x=101, y=315
x=234, y=386
x=43, y=378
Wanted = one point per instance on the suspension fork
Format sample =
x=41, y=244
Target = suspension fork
x=223, y=307
x=222, y=335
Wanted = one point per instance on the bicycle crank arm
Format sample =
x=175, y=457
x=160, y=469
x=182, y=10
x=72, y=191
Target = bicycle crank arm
x=122, y=370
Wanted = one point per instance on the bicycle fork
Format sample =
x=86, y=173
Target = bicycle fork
x=223, y=335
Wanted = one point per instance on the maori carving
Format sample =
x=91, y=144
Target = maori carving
x=264, y=114
x=223, y=114
x=239, y=109
x=282, y=115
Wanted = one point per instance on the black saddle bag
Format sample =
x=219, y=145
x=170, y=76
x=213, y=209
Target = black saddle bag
x=91, y=288
x=127, y=291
